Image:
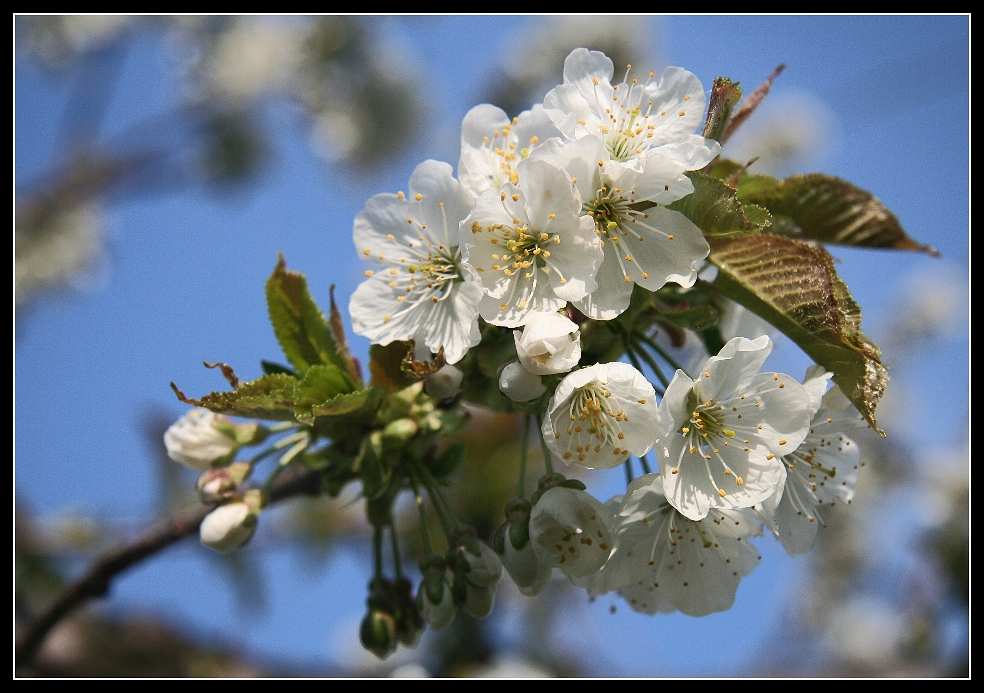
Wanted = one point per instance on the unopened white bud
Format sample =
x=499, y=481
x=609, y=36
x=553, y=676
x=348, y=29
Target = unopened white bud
x=440, y=615
x=444, y=384
x=485, y=569
x=518, y=384
x=228, y=527
x=529, y=573
x=550, y=343
x=197, y=439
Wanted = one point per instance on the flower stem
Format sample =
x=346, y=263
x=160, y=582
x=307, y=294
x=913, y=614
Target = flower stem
x=524, y=450
x=377, y=552
x=396, y=552
x=547, y=458
x=662, y=352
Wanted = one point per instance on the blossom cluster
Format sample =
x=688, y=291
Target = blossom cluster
x=557, y=222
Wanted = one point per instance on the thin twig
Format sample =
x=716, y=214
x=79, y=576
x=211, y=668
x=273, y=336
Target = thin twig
x=96, y=582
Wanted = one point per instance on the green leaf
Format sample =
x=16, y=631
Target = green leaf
x=298, y=322
x=271, y=367
x=349, y=415
x=269, y=397
x=715, y=209
x=320, y=384
x=794, y=286
x=830, y=210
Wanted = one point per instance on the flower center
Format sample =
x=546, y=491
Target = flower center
x=504, y=152
x=593, y=423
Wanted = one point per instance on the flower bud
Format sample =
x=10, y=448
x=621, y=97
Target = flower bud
x=519, y=384
x=378, y=633
x=478, y=601
x=550, y=343
x=512, y=543
x=477, y=561
x=409, y=622
x=229, y=526
x=435, y=598
x=219, y=484
x=444, y=384
x=197, y=440
x=397, y=433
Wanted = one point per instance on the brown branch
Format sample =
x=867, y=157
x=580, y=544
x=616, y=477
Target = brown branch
x=96, y=582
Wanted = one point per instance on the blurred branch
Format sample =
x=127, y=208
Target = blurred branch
x=96, y=582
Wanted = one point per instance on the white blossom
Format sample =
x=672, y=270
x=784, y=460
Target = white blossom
x=823, y=470
x=195, y=441
x=644, y=242
x=633, y=118
x=664, y=562
x=723, y=433
x=600, y=415
x=492, y=145
x=529, y=246
x=422, y=291
x=571, y=530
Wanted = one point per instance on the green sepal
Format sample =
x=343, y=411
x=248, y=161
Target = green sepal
x=794, y=286
x=574, y=484
x=714, y=208
x=269, y=397
x=300, y=326
x=519, y=533
x=823, y=208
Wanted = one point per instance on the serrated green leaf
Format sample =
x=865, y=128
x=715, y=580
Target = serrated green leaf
x=830, y=210
x=349, y=415
x=300, y=326
x=793, y=285
x=271, y=367
x=320, y=384
x=715, y=209
x=269, y=397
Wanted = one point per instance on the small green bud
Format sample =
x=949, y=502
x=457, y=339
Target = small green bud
x=378, y=633
x=397, y=433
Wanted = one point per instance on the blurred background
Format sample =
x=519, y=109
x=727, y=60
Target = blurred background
x=161, y=164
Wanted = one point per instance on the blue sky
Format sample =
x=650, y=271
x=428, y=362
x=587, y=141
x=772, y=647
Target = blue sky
x=183, y=283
